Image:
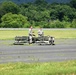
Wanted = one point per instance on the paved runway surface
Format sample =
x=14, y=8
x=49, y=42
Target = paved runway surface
x=65, y=49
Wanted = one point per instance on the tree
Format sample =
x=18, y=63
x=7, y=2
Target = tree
x=73, y=3
x=7, y=7
x=60, y=11
x=14, y=21
x=10, y=7
x=73, y=25
x=40, y=2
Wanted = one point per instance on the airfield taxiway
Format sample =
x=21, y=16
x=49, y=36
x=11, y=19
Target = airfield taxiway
x=63, y=50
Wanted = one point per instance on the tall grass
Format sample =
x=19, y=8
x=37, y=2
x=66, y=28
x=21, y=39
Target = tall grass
x=49, y=68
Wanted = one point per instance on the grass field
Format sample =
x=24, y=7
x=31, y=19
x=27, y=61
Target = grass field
x=49, y=68
x=10, y=34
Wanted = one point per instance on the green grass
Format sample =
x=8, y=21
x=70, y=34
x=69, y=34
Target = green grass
x=49, y=68
x=61, y=33
x=10, y=34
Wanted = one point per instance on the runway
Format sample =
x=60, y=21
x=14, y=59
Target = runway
x=65, y=49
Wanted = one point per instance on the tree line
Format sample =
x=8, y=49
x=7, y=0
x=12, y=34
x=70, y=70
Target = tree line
x=39, y=13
